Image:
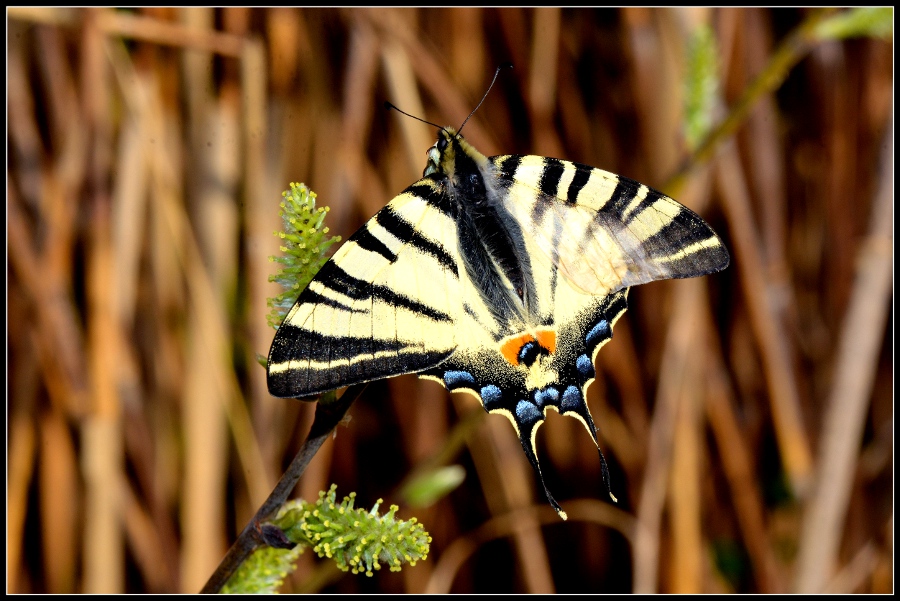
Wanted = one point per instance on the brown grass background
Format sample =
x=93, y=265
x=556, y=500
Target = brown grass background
x=747, y=416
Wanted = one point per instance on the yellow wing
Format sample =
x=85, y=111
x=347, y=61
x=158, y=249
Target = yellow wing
x=385, y=304
x=603, y=231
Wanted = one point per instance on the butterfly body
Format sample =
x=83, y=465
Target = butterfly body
x=501, y=276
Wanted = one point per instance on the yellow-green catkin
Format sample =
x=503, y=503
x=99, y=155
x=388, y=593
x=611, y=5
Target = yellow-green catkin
x=263, y=572
x=305, y=245
x=357, y=540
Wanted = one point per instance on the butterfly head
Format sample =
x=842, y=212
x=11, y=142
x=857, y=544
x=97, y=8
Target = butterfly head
x=441, y=153
x=453, y=158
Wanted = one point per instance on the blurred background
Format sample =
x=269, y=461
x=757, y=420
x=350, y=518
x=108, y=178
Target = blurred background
x=747, y=416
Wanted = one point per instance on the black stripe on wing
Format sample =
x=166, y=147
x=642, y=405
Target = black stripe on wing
x=405, y=232
x=582, y=175
x=685, y=246
x=342, y=360
x=551, y=176
x=366, y=240
x=311, y=297
x=671, y=245
x=623, y=194
x=335, y=278
x=430, y=190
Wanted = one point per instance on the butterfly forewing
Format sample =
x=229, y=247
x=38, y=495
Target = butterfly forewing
x=604, y=231
x=387, y=303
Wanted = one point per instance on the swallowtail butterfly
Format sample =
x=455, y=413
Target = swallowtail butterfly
x=500, y=276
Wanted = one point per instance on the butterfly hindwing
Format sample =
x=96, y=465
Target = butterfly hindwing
x=387, y=302
x=526, y=374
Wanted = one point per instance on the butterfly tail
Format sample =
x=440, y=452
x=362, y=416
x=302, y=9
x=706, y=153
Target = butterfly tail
x=573, y=404
x=527, y=419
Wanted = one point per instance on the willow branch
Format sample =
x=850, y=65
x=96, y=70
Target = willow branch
x=791, y=51
x=327, y=417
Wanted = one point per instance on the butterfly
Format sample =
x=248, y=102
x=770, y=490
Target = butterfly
x=499, y=276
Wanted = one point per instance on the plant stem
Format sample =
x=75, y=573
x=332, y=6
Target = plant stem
x=791, y=51
x=327, y=417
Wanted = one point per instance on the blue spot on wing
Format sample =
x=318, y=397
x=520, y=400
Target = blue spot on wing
x=598, y=333
x=547, y=396
x=491, y=396
x=571, y=400
x=505, y=388
x=458, y=378
x=585, y=366
x=527, y=414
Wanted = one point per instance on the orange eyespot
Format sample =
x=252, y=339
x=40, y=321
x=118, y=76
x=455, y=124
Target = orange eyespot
x=511, y=347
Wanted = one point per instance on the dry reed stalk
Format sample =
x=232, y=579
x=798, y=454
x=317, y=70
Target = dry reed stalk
x=654, y=67
x=468, y=49
x=622, y=366
x=676, y=359
x=673, y=436
x=42, y=267
x=22, y=454
x=774, y=347
x=431, y=75
x=738, y=465
x=101, y=431
x=542, y=81
x=146, y=29
x=765, y=161
x=57, y=466
x=845, y=412
x=144, y=541
x=857, y=570
x=684, y=498
x=203, y=412
x=356, y=117
x=261, y=195
x=402, y=90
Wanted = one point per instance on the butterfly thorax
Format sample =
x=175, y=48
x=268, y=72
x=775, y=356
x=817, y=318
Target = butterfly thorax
x=490, y=241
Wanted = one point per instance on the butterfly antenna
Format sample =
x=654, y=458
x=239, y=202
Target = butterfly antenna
x=390, y=106
x=496, y=73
